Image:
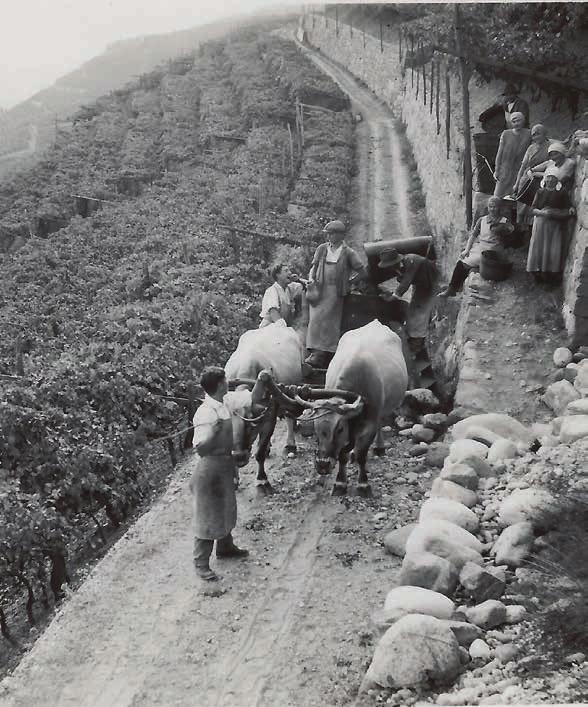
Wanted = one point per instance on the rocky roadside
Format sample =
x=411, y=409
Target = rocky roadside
x=491, y=605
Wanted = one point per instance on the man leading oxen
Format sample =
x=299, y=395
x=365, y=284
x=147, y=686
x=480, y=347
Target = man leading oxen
x=369, y=368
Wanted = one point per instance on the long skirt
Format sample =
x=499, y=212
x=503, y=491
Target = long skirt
x=546, y=250
x=215, y=503
x=324, y=323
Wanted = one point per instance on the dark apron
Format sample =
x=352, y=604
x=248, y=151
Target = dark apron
x=213, y=486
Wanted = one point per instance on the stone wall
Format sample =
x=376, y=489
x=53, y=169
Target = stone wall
x=575, y=308
x=441, y=168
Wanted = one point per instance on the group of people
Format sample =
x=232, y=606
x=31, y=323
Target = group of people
x=535, y=172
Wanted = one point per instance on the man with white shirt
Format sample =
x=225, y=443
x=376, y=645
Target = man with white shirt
x=215, y=478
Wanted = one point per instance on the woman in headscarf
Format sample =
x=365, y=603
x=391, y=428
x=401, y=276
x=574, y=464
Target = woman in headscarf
x=328, y=283
x=511, y=150
x=551, y=209
x=526, y=185
x=557, y=157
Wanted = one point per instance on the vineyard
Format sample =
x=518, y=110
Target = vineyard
x=134, y=254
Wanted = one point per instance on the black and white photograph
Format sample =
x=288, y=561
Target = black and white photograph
x=293, y=353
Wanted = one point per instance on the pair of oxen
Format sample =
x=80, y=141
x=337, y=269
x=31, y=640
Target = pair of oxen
x=365, y=382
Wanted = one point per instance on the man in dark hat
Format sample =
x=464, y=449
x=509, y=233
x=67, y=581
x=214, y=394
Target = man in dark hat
x=422, y=274
x=496, y=119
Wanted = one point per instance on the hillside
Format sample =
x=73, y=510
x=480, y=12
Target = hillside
x=106, y=312
x=120, y=63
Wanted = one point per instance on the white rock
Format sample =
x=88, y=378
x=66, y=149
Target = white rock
x=430, y=571
x=562, y=356
x=454, y=532
x=581, y=382
x=414, y=650
x=464, y=631
x=461, y=449
x=499, y=423
x=571, y=372
x=515, y=613
x=435, y=420
x=455, y=492
x=480, y=650
x=558, y=395
x=514, y=545
x=418, y=600
x=429, y=536
x=420, y=433
x=395, y=540
x=535, y=505
x=577, y=407
x=422, y=399
x=460, y=474
x=574, y=427
x=487, y=615
x=450, y=510
x=502, y=449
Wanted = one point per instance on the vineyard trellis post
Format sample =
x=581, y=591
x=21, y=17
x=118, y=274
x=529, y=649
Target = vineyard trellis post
x=465, y=96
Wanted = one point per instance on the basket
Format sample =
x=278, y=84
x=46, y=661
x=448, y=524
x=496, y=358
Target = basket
x=494, y=266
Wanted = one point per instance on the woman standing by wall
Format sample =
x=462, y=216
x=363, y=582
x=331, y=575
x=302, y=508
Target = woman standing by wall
x=527, y=182
x=511, y=150
x=329, y=281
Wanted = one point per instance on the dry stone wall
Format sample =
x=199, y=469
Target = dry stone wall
x=377, y=64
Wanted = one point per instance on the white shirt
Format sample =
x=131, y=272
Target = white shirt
x=207, y=414
x=275, y=297
x=333, y=254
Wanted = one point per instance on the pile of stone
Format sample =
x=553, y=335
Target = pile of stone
x=451, y=612
x=567, y=396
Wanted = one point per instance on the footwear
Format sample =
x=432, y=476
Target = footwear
x=232, y=552
x=448, y=292
x=206, y=574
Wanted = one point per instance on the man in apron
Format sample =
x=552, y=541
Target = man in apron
x=215, y=478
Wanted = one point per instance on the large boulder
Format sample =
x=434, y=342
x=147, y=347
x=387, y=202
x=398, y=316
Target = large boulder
x=536, y=505
x=417, y=600
x=481, y=434
x=416, y=650
x=479, y=465
x=487, y=615
x=453, y=543
x=447, y=489
x=450, y=510
x=395, y=540
x=501, y=424
x=573, y=427
x=482, y=583
x=558, y=395
x=420, y=433
x=436, y=421
x=514, y=545
x=502, y=449
x=423, y=569
x=436, y=454
x=460, y=474
x=577, y=407
x=461, y=449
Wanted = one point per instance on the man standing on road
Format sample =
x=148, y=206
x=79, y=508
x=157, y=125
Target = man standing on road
x=215, y=478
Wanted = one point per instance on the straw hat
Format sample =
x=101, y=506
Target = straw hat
x=557, y=147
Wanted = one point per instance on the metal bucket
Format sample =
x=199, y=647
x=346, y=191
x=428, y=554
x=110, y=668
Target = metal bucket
x=494, y=266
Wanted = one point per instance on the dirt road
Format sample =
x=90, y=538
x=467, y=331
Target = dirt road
x=293, y=627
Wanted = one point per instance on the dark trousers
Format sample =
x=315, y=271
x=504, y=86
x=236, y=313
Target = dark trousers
x=460, y=273
x=203, y=549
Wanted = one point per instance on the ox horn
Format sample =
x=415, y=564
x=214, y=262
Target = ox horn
x=351, y=409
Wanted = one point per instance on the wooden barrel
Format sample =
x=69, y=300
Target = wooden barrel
x=420, y=246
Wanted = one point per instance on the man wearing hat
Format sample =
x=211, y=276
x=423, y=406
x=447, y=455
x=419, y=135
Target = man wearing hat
x=422, y=274
x=334, y=267
x=498, y=117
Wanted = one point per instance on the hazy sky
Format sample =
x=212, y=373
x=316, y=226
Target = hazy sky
x=40, y=40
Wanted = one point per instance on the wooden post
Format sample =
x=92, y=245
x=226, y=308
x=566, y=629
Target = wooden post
x=412, y=61
x=350, y=26
x=336, y=20
x=432, y=85
x=437, y=96
x=418, y=73
x=447, y=110
x=424, y=75
x=465, y=97
x=291, y=150
x=381, y=38
x=302, y=126
x=364, y=33
x=399, y=44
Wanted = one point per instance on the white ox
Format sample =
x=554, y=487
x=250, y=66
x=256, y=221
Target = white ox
x=279, y=350
x=369, y=363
